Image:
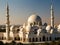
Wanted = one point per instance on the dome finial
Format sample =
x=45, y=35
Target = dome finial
x=51, y=4
x=34, y=13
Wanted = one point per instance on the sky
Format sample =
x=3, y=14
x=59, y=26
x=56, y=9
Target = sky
x=20, y=10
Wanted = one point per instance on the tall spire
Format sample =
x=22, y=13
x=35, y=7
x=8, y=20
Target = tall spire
x=52, y=15
x=7, y=23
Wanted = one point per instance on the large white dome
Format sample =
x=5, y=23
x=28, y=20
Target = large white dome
x=34, y=19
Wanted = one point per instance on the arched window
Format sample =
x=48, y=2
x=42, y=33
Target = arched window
x=31, y=24
x=18, y=38
x=33, y=39
x=2, y=38
x=15, y=38
x=47, y=38
x=23, y=39
x=36, y=39
x=40, y=39
x=18, y=30
x=50, y=38
x=43, y=38
x=29, y=39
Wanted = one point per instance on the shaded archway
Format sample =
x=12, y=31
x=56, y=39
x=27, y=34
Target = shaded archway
x=50, y=38
x=29, y=39
x=43, y=38
x=36, y=39
x=32, y=39
x=40, y=39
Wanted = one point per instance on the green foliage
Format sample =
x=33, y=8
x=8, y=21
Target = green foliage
x=1, y=43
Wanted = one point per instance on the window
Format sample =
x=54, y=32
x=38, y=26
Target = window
x=36, y=39
x=2, y=38
x=18, y=38
x=40, y=39
x=47, y=38
x=31, y=24
x=43, y=38
x=24, y=39
x=29, y=39
x=15, y=38
x=18, y=30
x=33, y=39
x=50, y=38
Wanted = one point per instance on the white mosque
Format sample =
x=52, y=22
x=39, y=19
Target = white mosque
x=33, y=30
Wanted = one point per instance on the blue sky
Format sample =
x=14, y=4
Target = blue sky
x=20, y=10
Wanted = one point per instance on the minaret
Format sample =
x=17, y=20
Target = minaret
x=7, y=23
x=52, y=16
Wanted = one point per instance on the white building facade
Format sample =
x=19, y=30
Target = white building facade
x=31, y=31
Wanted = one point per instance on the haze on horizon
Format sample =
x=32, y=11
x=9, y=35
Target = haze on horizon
x=20, y=10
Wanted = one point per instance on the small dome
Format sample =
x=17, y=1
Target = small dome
x=53, y=31
x=34, y=19
x=28, y=28
x=11, y=28
x=11, y=34
x=39, y=30
x=48, y=28
x=58, y=28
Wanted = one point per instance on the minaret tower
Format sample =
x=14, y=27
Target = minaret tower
x=7, y=23
x=52, y=16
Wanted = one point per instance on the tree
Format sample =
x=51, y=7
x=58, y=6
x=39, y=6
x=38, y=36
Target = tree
x=1, y=43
